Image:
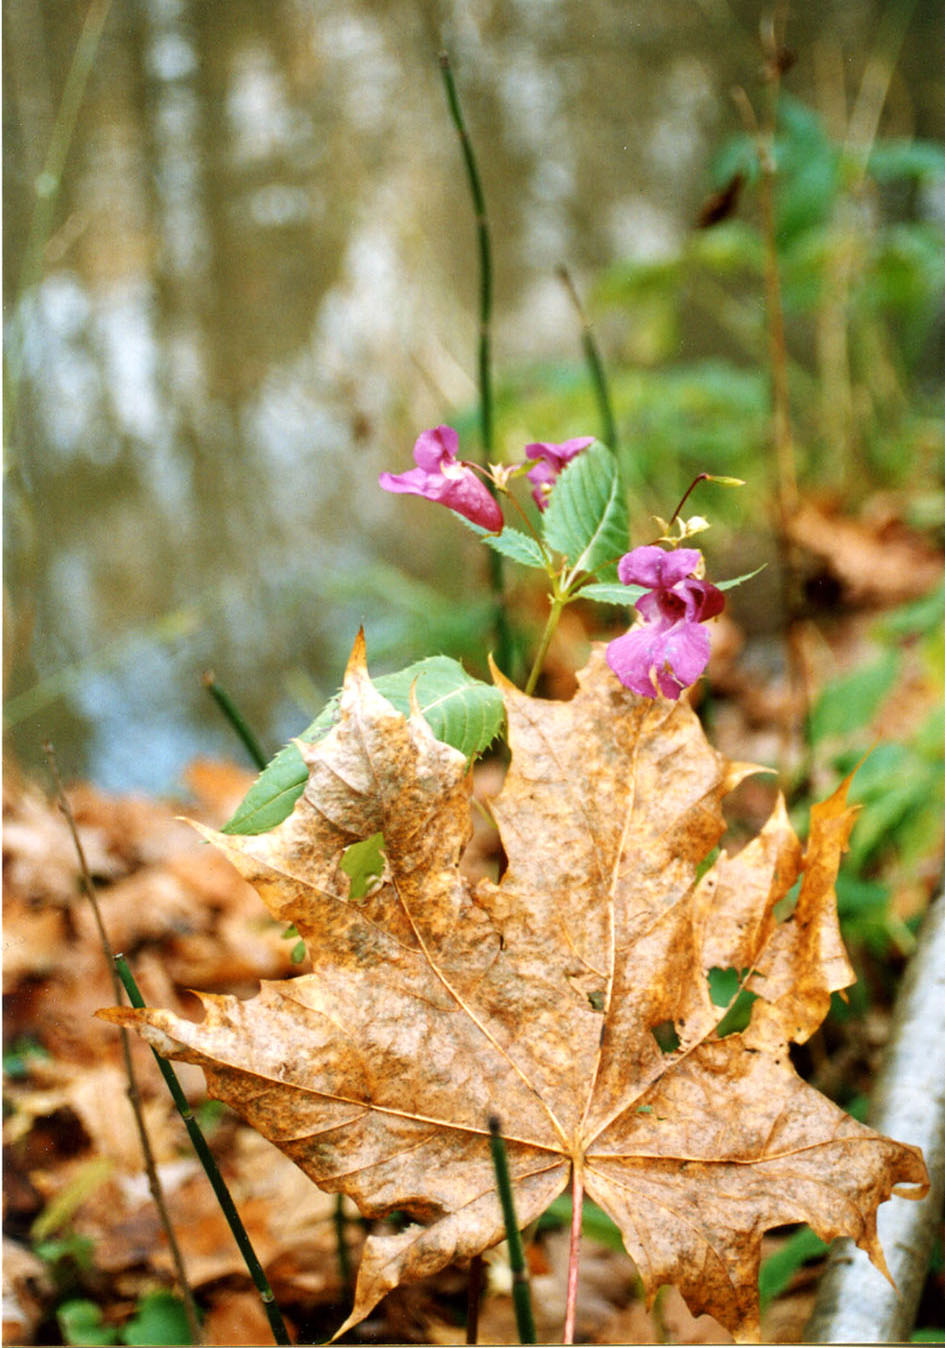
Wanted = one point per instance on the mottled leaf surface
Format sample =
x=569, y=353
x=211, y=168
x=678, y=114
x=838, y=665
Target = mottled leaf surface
x=460, y=710
x=434, y=1003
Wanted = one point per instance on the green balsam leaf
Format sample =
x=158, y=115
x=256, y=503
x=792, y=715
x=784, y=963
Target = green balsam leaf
x=586, y=519
x=519, y=547
x=612, y=592
x=512, y=543
x=606, y=593
x=460, y=710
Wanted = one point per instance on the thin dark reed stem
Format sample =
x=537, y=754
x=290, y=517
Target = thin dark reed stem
x=595, y=365
x=276, y=1323
x=521, y=1292
x=474, y=1287
x=503, y=636
x=485, y=257
x=235, y=717
x=341, y=1245
x=134, y=1096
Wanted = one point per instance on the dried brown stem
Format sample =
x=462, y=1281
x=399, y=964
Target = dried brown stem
x=134, y=1096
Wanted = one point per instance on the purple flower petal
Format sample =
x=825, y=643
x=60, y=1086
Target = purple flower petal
x=441, y=477
x=552, y=459
x=672, y=654
x=669, y=649
x=656, y=568
x=436, y=447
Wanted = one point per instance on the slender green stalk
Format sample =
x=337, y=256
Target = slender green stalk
x=503, y=636
x=557, y=604
x=485, y=256
x=521, y=1292
x=595, y=365
x=134, y=1095
x=232, y=713
x=341, y=1245
x=276, y=1323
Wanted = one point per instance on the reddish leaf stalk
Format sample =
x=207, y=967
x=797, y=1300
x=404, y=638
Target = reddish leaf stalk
x=574, y=1251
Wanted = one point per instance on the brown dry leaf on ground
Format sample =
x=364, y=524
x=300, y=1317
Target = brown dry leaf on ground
x=876, y=561
x=434, y=1004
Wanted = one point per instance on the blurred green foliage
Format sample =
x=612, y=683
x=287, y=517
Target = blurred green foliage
x=861, y=247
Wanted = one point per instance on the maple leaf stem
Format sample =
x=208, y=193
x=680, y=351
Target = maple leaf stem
x=211, y=1170
x=574, y=1252
x=521, y=1292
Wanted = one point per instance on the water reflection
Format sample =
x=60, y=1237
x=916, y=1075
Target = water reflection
x=259, y=284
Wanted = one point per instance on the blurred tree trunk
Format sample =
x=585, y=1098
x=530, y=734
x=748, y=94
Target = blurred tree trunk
x=855, y=1303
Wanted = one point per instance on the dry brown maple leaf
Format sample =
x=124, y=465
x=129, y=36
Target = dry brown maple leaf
x=434, y=1005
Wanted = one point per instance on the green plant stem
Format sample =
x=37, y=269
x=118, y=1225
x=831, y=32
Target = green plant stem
x=485, y=256
x=521, y=1292
x=595, y=365
x=503, y=636
x=208, y=1161
x=558, y=602
x=134, y=1095
x=341, y=1245
x=232, y=713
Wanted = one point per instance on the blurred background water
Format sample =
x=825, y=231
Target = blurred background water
x=254, y=283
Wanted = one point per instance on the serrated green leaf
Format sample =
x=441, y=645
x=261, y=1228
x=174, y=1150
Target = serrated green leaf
x=519, y=547
x=460, y=710
x=615, y=593
x=612, y=593
x=739, y=580
x=512, y=543
x=586, y=519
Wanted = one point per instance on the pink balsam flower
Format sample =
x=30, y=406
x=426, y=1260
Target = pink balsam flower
x=669, y=649
x=440, y=476
x=551, y=460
